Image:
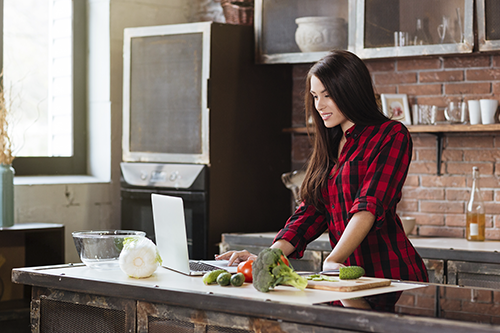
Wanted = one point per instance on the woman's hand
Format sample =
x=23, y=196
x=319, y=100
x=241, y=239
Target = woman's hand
x=330, y=265
x=235, y=257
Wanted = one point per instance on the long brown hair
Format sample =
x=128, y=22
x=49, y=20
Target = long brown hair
x=348, y=82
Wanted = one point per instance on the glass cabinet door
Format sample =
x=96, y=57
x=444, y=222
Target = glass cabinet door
x=391, y=28
x=294, y=31
x=488, y=24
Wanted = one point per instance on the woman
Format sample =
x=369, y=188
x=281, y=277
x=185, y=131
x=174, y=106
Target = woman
x=354, y=178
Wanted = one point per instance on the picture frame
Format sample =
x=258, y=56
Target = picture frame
x=395, y=107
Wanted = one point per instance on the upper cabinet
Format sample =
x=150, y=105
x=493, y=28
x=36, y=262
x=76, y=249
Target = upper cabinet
x=300, y=31
x=488, y=24
x=295, y=31
x=396, y=28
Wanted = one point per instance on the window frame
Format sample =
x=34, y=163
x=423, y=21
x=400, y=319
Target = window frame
x=76, y=164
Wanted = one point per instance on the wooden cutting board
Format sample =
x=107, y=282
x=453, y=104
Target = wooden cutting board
x=349, y=285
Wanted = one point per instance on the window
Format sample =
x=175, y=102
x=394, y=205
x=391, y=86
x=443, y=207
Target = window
x=44, y=72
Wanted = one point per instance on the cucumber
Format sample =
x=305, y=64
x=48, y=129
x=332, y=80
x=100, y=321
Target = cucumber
x=224, y=279
x=211, y=277
x=237, y=279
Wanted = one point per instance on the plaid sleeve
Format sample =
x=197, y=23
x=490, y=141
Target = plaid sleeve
x=304, y=226
x=385, y=175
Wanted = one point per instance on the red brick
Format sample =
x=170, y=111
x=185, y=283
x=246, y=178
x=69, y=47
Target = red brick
x=495, y=61
x=467, y=61
x=441, y=101
x=457, y=194
x=461, y=141
x=485, y=182
x=421, y=89
x=483, y=308
x=455, y=220
x=495, y=88
x=492, y=234
x=377, y=65
x=440, y=231
x=426, y=302
x=441, y=76
x=393, y=78
x=425, y=154
x=450, y=305
x=467, y=88
x=418, y=63
x=408, y=205
x=482, y=155
x=412, y=181
x=452, y=155
x=423, y=140
x=389, y=89
x=422, y=167
x=430, y=219
x=492, y=208
x=486, y=74
x=423, y=193
x=496, y=297
x=442, y=181
x=442, y=207
x=466, y=168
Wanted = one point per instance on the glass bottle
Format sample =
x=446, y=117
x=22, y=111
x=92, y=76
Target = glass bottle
x=420, y=37
x=475, y=220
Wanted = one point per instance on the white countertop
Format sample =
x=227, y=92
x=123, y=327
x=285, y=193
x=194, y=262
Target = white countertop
x=169, y=280
x=455, y=244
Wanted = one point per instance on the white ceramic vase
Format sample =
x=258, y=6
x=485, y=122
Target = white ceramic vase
x=321, y=33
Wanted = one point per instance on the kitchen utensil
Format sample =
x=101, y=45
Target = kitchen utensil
x=408, y=224
x=474, y=112
x=488, y=110
x=427, y=114
x=321, y=33
x=349, y=285
x=101, y=249
x=442, y=29
x=456, y=112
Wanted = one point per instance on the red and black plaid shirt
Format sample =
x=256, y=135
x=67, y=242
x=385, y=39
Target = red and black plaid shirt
x=370, y=174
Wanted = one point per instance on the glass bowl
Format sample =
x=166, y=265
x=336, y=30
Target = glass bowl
x=101, y=249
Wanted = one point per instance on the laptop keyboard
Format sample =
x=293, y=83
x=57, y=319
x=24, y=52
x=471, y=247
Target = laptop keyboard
x=196, y=266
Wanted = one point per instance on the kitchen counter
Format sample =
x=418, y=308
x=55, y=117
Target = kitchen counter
x=77, y=295
x=427, y=247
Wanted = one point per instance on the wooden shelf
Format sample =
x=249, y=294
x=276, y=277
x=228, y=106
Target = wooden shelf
x=439, y=128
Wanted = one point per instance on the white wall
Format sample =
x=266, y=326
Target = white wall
x=93, y=201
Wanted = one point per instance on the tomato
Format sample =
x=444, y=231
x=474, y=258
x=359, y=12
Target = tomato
x=245, y=267
x=285, y=260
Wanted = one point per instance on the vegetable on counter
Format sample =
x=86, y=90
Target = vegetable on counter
x=237, y=279
x=139, y=258
x=245, y=268
x=351, y=272
x=224, y=279
x=211, y=277
x=270, y=270
x=321, y=277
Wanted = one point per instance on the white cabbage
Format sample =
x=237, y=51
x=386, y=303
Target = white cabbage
x=139, y=258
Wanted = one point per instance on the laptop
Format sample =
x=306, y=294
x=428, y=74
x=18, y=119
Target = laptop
x=171, y=238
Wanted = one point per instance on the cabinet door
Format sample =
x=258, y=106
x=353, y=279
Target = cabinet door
x=391, y=28
x=488, y=24
x=435, y=269
x=298, y=31
x=474, y=274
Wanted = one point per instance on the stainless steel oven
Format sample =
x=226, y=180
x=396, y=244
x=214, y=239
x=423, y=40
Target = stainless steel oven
x=195, y=104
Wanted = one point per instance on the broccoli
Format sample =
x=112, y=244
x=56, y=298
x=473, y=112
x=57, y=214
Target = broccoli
x=270, y=270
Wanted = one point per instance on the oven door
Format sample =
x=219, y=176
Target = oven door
x=137, y=214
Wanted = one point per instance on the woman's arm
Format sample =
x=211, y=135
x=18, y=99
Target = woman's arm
x=355, y=232
x=235, y=257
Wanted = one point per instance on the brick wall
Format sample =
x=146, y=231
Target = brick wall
x=437, y=202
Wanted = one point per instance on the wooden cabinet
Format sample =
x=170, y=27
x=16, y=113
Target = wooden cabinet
x=25, y=245
x=474, y=274
x=285, y=30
